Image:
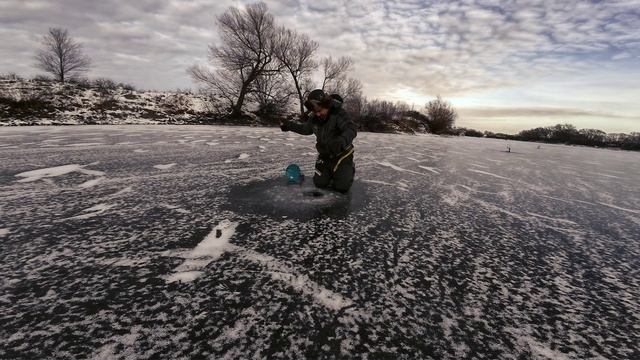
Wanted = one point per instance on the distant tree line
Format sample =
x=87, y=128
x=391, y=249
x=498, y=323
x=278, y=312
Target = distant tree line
x=569, y=134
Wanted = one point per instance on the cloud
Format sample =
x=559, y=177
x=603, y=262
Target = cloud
x=426, y=47
x=447, y=48
x=513, y=112
x=515, y=119
x=621, y=56
x=149, y=43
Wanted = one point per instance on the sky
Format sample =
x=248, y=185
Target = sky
x=505, y=65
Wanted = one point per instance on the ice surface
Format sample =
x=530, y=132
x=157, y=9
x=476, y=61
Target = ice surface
x=398, y=185
x=216, y=243
x=91, y=183
x=552, y=218
x=184, y=276
x=633, y=211
x=123, y=191
x=397, y=168
x=175, y=208
x=428, y=168
x=129, y=262
x=488, y=173
x=276, y=197
x=480, y=166
x=301, y=283
x=93, y=211
x=164, y=166
x=35, y=175
x=324, y=296
x=209, y=249
x=538, y=349
x=410, y=264
x=84, y=144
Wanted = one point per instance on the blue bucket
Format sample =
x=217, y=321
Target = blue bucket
x=294, y=174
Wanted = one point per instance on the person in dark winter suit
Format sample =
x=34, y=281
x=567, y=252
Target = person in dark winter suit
x=334, y=133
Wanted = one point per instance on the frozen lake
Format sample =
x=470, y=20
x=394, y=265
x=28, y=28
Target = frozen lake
x=186, y=242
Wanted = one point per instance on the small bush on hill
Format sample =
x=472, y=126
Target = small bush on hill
x=82, y=83
x=30, y=106
x=104, y=85
x=41, y=78
x=127, y=87
x=12, y=77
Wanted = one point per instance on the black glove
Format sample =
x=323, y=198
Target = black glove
x=335, y=146
x=284, y=126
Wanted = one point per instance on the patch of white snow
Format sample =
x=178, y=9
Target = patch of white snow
x=91, y=183
x=164, y=166
x=35, y=175
x=92, y=211
x=210, y=249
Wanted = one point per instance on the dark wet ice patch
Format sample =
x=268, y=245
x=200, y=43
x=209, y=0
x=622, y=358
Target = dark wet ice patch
x=280, y=199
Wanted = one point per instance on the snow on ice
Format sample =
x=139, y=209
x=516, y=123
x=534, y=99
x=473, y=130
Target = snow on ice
x=93, y=211
x=212, y=247
x=91, y=183
x=489, y=174
x=35, y=175
x=397, y=168
x=164, y=166
x=226, y=260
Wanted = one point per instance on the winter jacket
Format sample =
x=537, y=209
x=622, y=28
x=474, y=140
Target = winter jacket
x=337, y=127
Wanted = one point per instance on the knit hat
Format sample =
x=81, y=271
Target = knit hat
x=317, y=99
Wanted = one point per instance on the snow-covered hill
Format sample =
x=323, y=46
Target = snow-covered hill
x=42, y=102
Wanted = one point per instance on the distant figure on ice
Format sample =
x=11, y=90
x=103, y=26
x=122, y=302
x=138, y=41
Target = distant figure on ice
x=334, y=132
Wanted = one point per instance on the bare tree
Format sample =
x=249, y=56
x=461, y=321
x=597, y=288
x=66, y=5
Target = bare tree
x=61, y=55
x=335, y=72
x=346, y=87
x=307, y=85
x=353, y=98
x=441, y=115
x=247, y=50
x=223, y=83
x=273, y=94
x=378, y=115
x=295, y=52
